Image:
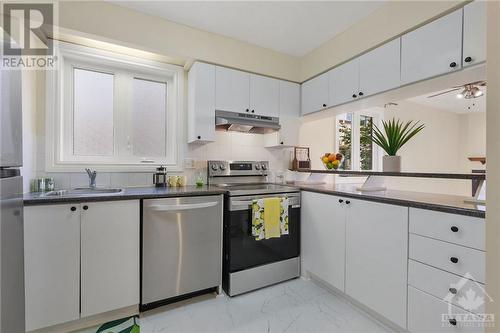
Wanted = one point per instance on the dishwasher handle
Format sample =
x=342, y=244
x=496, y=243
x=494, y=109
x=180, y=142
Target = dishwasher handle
x=171, y=208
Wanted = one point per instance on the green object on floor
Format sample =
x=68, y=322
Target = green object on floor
x=123, y=325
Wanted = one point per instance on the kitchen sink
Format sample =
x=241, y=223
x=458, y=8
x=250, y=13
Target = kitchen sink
x=83, y=191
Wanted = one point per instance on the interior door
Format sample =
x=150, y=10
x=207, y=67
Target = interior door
x=433, y=49
x=474, y=33
x=232, y=90
x=344, y=82
x=380, y=69
x=264, y=96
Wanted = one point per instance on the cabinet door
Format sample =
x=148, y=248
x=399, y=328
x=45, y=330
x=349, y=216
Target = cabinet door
x=52, y=264
x=315, y=94
x=344, y=82
x=110, y=256
x=377, y=256
x=432, y=49
x=380, y=69
x=264, y=96
x=323, y=220
x=201, y=103
x=474, y=33
x=232, y=90
x=289, y=99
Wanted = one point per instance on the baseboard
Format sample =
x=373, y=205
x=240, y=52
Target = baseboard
x=91, y=321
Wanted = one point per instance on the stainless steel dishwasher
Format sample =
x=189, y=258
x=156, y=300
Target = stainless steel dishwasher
x=181, y=248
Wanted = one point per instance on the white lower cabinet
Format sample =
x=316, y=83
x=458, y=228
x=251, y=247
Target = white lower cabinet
x=323, y=221
x=61, y=287
x=51, y=264
x=110, y=256
x=377, y=256
x=431, y=314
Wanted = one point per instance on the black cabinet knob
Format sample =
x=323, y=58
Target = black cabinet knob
x=247, y=110
x=341, y=201
x=360, y=93
x=85, y=207
x=324, y=105
x=453, y=65
x=453, y=291
x=452, y=321
x=454, y=229
x=354, y=96
x=199, y=137
x=468, y=59
x=347, y=202
x=73, y=208
x=281, y=142
x=454, y=260
x=253, y=111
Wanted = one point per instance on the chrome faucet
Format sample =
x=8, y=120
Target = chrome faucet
x=92, y=176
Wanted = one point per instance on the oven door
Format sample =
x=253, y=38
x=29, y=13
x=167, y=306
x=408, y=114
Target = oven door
x=243, y=251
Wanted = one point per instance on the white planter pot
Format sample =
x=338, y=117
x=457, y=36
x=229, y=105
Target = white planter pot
x=391, y=163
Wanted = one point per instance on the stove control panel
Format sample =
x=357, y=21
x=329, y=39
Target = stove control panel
x=237, y=168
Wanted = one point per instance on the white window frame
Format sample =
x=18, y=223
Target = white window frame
x=355, y=144
x=59, y=110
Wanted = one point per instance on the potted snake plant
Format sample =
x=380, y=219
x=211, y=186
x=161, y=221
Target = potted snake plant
x=394, y=135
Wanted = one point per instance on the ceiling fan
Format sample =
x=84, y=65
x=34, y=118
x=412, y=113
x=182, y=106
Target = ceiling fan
x=468, y=90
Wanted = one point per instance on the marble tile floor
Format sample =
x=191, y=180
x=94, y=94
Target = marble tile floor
x=293, y=306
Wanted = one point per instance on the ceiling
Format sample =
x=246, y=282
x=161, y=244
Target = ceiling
x=290, y=27
x=450, y=102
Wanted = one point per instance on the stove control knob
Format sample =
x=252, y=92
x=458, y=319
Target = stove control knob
x=264, y=167
x=214, y=167
x=257, y=166
x=222, y=167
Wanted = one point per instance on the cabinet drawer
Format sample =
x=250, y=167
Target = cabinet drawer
x=458, y=229
x=443, y=285
x=442, y=255
x=425, y=314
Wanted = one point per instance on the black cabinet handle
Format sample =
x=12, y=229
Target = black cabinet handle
x=253, y=111
x=199, y=137
x=453, y=291
x=454, y=260
x=85, y=207
x=341, y=201
x=73, y=208
x=360, y=93
x=347, y=202
x=454, y=229
x=247, y=110
x=468, y=59
x=452, y=321
x=453, y=65
x=354, y=96
x=324, y=105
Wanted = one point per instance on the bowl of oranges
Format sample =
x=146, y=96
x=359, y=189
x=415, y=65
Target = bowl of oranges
x=332, y=161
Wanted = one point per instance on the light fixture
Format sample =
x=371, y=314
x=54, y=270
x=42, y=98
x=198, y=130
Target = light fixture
x=460, y=95
x=478, y=93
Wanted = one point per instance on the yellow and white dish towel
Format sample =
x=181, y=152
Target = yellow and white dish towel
x=269, y=217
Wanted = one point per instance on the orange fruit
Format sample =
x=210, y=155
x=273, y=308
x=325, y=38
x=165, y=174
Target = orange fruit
x=331, y=158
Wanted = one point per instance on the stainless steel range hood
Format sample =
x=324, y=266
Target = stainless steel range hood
x=244, y=122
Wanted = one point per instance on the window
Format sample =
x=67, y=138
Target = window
x=353, y=140
x=112, y=112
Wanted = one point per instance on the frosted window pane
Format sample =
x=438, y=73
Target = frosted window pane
x=93, y=113
x=149, y=118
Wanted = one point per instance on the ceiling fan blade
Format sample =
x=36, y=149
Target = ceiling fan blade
x=444, y=92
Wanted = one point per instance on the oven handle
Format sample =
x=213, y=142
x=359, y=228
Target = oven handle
x=248, y=203
x=168, y=208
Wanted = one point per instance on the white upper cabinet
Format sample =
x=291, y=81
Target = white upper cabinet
x=289, y=99
x=433, y=49
x=474, y=33
x=264, y=95
x=201, y=102
x=344, y=82
x=232, y=90
x=377, y=257
x=380, y=69
x=315, y=94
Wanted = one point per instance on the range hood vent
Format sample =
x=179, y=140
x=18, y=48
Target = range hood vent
x=244, y=122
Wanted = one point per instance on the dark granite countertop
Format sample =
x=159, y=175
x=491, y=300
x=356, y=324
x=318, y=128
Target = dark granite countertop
x=439, y=202
x=38, y=198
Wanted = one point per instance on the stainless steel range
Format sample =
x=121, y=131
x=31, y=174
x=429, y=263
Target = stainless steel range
x=249, y=264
